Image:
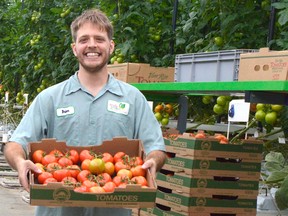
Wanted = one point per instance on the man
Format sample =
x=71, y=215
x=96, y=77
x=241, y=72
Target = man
x=91, y=99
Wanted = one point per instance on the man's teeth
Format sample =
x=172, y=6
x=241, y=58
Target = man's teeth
x=92, y=54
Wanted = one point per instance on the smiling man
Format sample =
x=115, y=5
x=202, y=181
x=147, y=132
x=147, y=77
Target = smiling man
x=89, y=107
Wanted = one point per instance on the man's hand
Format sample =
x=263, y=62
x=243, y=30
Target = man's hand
x=154, y=161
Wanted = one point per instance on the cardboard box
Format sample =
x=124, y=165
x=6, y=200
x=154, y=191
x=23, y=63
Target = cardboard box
x=206, y=187
x=224, y=167
x=190, y=204
x=141, y=73
x=160, y=212
x=249, y=150
x=264, y=65
x=57, y=194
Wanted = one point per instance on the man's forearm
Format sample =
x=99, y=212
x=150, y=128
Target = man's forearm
x=159, y=157
x=13, y=154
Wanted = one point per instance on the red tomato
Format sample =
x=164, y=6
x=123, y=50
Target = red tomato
x=81, y=188
x=51, y=167
x=41, y=167
x=43, y=176
x=69, y=180
x=125, y=172
x=37, y=156
x=103, y=178
x=73, y=155
x=119, y=180
x=107, y=157
x=47, y=159
x=60, y=174
x=83, y=175
x=85, y=164
x=86, y=154
x=138, y=171
x=119, y=156
x=120, y=165
x=109, y=186
x=88, y=183
x=141, y=180
x=135, y=161
x=51, y=179
x=58, y=154
x=74, y=170
x=96, y=189
x=65, y=161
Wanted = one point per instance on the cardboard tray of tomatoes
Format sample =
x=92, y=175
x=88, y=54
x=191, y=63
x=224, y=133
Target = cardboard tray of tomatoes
x=60, y=194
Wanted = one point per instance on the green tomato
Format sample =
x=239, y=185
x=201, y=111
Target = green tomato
x=158, y=116
x=271, y=118
x=276, y=107
x=218, y=41
x=218, y=109
x=221, y=100
x=260, y=115
x=165, y=121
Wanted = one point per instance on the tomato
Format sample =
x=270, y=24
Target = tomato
x=260, y=115
x=218, y=109
x=83, y=175
x=103, y=178
x=65, y=161
x=140, y=180
x=125, y=172
x=158, y=108
x=138, y=171
x=109, y=168
x=88, y=183
x=168, y=109
x=81, y=188
x=276, y=107
x=218, y=41
x=97, y=166
x=43, y=176
x=74, y=170
x=119, y=180
x=107, y=157
x=200, y=136
x=96, y=189
x=51, y=167
x=109, y=187
x=85, y=164
x=164, y=121
x=60, y=174
x=58, y=154
x=38, y=155
x=119, y=156
x=86, y=154
x=135, y=161
x=47, y=159
x=40, y=167
x=120, y=165
x=271, y=118
x=158, y=116
x=68, y=180
x=51, y=179
x=73, y=155
x=260, y=106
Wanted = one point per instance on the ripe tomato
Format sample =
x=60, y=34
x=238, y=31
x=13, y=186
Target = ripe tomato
x=58, y=154
x=60, y=174
x=86, y=154
x=135, y=161
x=81, y=188
x=125, y=172
x=109, y=187
x=85, y=164
x=158, y=108
x=168, y=109
x=41, y=167
x=69, y=180
x=83, y=175
x=88, y=183
x=43, y=176
x=51, y=179
x=38, y=155
x=141, y=180
x=65, y=161
x=97, y=166
x=121, y=165
x=119, y=180
x=119, y=156
x=138, y=171
x=51, y=167
x=107, y=157
x=47, y=159
x=74, y=170
x=96, y=189
x=200, y=135
x=73, y=155
x=109, y=168
x=103, y=178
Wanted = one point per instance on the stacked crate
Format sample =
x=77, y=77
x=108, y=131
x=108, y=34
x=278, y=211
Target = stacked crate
x=203, y=177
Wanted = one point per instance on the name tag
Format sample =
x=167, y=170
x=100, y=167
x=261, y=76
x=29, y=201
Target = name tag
x=118, y=107
x=65, y=111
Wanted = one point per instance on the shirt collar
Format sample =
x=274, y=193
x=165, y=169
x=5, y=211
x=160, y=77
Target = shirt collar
x=112, y=85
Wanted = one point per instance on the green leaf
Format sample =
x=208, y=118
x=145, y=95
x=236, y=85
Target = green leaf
x=272, y=166
x=276, y=157
x=276, y=177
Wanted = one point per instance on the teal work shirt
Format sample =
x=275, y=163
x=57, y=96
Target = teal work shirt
x=67, y=111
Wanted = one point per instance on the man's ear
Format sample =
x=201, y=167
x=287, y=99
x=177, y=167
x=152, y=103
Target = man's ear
x=73, y=48
x=112, y=46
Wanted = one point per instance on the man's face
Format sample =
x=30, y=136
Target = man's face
x=92, y=48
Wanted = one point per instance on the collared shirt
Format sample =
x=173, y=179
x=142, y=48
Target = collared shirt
x=67, y=111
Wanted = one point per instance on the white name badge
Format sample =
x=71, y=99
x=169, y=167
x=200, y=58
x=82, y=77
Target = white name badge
x=118, y=107
x=65, y=111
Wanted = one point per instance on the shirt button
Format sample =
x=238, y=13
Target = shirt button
x=92, y=122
